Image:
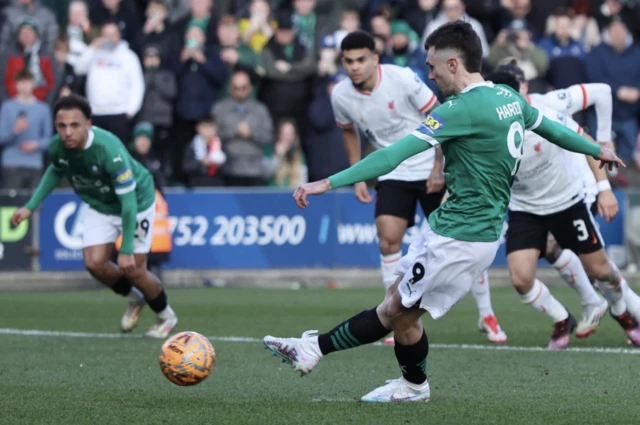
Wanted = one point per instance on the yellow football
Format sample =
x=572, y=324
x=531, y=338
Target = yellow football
x=187, y=358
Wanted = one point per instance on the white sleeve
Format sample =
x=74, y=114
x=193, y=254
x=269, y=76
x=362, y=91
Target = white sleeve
x=420, y=95
x=343, y=118
x=136, y=85
x=579, y=97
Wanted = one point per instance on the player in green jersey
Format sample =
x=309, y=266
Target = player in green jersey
x=480, y=128
x=121, y=198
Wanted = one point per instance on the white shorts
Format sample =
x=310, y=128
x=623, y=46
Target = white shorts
x=101, y=229
x=438, y=271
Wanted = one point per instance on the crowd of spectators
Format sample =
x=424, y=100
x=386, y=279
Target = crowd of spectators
x=237, y=92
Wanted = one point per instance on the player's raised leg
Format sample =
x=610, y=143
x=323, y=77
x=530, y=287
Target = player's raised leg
x=391, y=230
x=567, y=263
x=97, y=261
x=487, y=322
x=609, y=281
x=156, y=297
x=522, y=267
x=148, y=282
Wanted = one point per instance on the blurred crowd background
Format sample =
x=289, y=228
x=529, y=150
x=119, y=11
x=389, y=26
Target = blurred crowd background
x=237, y=92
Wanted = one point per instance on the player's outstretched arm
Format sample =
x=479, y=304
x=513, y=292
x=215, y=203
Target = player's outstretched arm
x=50, y=180
x=376, y=164
x=571, y=141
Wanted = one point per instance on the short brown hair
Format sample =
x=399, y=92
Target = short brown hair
x=24, y=74
x=228, y=20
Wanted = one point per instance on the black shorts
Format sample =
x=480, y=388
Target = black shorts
x=399, y=198
x=573, y=228
x=594, y=207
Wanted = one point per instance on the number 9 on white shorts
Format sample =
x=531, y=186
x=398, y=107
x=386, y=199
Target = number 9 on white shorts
x=102, y=229
x=438, y=271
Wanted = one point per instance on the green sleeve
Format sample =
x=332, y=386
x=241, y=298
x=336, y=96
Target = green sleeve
x=50, y=180
x=128, y=214
x=118, y=164
x=380, y=162
x=565, y=138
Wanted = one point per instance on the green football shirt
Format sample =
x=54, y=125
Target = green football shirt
x=102, y=171
x=481, y=131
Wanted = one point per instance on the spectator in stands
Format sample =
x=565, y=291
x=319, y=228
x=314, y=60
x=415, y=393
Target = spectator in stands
x=245, y=128
x=516, y=42
x=42, y=17
x=419, y=14
x=201, y=15
x=141, y=150
x=381, y=26
x=624, y=10
x=406, y=55
x=25, y=132
x=201, y=74
x=288, y=68
x=381, y=49
x=115, y=83
x=204, y=156
x=160, y=93
x=80, y=31
x=520, y=10
x=324, y=143
x=305, y=23
x=29, y=53
x=566, y=56
x=349, y=22
x=328, y=64
x=453, y=10
x=237, y=56
x=617, y=62
x=176, y=10
x=584, y=28
x=157, y=33
x=257, y=29
x=287, y=165
x=122, y=12
x=66, y=80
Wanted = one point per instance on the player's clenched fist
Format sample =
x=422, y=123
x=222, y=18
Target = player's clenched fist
x=127, y=263
x=20, y=215
x=313, y=188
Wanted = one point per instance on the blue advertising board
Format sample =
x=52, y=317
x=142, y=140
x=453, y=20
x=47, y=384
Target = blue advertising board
x=250, y=229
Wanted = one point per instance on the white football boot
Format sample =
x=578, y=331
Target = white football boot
x=591, y=316
x=490, y=326
x=166, y=320
x=399, y=390
x=303, y=354
x=132, y=315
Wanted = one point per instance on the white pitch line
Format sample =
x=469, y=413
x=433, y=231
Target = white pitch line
x=473, y=347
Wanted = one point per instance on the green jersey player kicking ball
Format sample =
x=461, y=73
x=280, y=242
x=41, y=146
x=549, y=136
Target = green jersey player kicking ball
x=120, y=194
x=480, y=128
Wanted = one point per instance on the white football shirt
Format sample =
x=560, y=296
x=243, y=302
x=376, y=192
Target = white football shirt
x=576, y=98
x=393, y=110
x=547, y=180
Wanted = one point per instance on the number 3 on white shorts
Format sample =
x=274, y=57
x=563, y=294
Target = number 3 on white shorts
x=583, y=234
x=514, y=149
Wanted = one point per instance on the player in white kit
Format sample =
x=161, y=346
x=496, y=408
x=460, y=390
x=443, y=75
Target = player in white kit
x=598, y=194
x=387, y=102
x=548, y=197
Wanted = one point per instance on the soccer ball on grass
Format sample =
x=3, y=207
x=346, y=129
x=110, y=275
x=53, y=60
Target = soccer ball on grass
x=187, y=358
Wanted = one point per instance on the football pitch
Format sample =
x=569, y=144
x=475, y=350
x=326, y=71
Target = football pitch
x=63, y=361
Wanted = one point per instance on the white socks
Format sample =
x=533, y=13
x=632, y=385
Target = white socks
x=571, y=270
x=541, y=299
x=482, y=295
x=388, y=265
x=612, y=291
x=630, y=298
x=167, y=313
x=135, y=295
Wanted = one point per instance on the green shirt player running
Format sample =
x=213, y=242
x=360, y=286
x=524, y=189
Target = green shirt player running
x=480, y=128
x=121, y=198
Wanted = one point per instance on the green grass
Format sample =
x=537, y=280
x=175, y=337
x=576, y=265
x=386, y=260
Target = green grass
x=62, y=380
